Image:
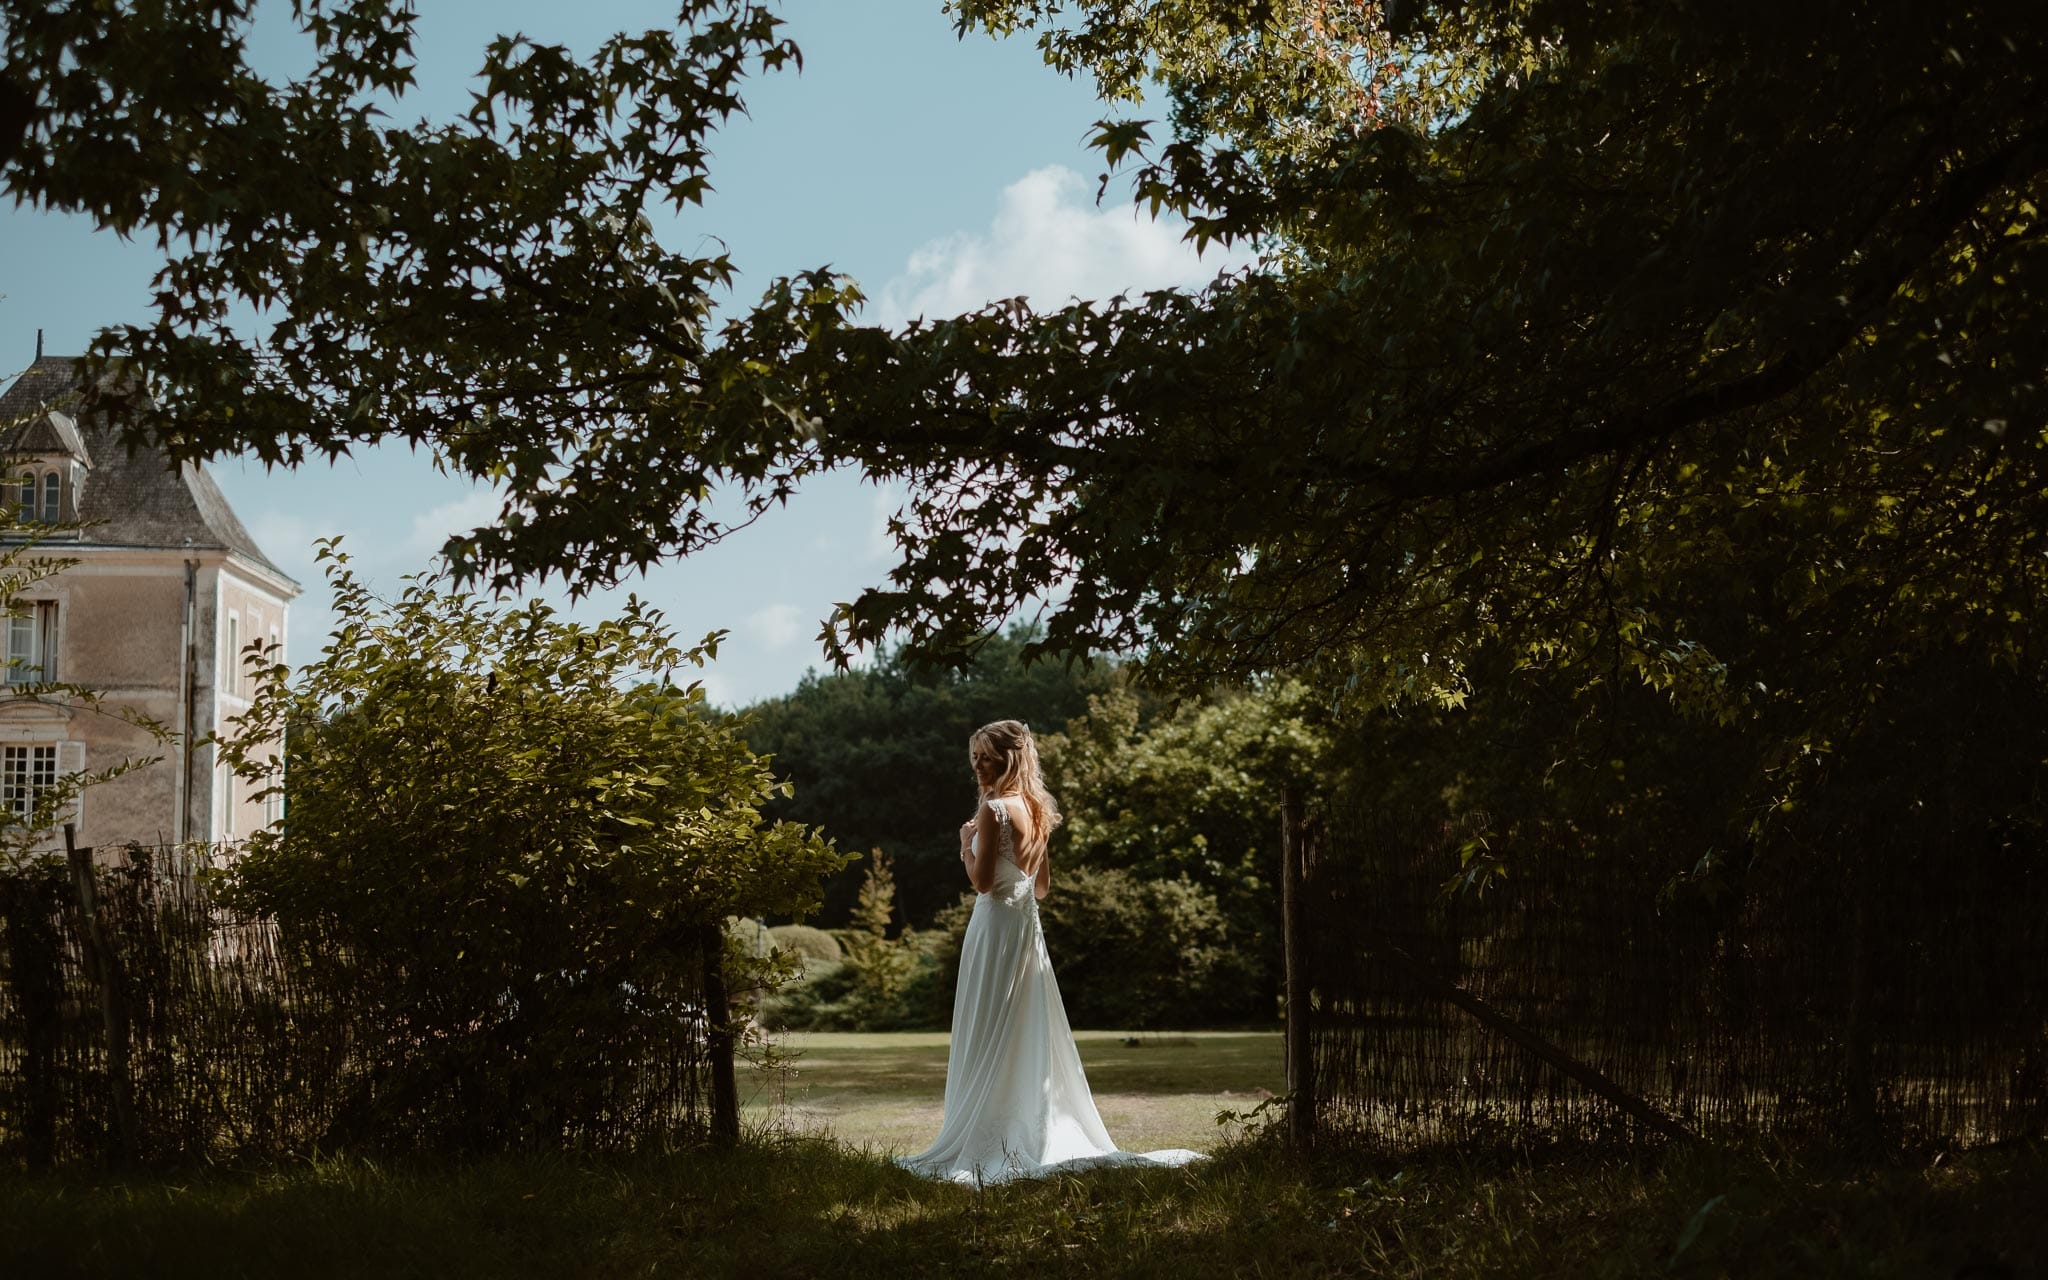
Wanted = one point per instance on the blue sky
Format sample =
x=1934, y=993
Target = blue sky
x=938, y=172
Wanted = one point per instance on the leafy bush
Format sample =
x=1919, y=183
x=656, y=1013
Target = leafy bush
x=750, y=937
x=512, y=836
x=813, y=944
x=885, y=984
x=930, y=993
x=1133, y=951
x=1129, y=951
x=1193, y=794
x=883, y=963
x=820, y=1000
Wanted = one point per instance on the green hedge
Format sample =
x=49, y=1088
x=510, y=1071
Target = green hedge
x=810, y=943
x=1130, y=951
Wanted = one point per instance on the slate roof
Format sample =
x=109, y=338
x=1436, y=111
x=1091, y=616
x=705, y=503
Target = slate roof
x=131, y=499
x=51, y=431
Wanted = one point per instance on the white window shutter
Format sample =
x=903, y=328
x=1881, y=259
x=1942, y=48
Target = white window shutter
x=46, y=620
x=70, y=760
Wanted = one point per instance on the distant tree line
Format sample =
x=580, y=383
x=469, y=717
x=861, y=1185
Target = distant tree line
x=1164, y=906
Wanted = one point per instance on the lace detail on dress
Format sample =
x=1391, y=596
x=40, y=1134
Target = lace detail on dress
x=1006, y=839
x=1012, y=886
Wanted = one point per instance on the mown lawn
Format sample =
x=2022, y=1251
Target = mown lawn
x=886, y=1092
x=790, y=1203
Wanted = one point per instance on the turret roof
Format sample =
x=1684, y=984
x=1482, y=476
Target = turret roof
x=132, y=497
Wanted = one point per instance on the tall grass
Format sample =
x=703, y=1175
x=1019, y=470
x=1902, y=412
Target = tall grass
x=782, y=1205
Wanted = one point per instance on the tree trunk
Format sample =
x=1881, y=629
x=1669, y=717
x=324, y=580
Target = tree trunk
x=1300, y=1065
x=725, y=1095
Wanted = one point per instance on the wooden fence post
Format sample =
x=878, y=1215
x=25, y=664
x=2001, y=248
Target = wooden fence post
x=725, y=1094
x=1301, y=1099
x=30, y=916
x=105, y=966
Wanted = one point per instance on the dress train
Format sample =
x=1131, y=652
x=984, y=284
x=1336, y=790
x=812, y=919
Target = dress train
x=1017, y=1101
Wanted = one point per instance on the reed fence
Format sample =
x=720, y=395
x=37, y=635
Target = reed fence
x=143, y=1022
x=1895, y=996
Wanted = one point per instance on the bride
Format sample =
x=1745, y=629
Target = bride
x=1017, y=1103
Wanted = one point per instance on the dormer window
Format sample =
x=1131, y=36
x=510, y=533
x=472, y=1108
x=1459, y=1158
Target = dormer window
x=37, y=496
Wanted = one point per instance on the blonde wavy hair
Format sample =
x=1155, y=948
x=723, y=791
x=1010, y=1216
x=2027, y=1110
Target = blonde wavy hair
x=1010, y=741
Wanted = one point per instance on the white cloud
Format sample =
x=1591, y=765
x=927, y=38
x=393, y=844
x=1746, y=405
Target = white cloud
x=1051, y=243
x=776, y=627
x=718, y=691
x=432, y=528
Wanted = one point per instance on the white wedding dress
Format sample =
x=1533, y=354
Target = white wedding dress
x=1017, y=1103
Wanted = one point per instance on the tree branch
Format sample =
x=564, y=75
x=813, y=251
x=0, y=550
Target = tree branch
x=1868, y=295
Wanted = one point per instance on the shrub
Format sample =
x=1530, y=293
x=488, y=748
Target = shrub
x=1141, y=952
x=812, y=944
x=817, y=1001
x=514, y=835
x=883, y=963
x=750, y=937
x=884, y=984
x=933, y=989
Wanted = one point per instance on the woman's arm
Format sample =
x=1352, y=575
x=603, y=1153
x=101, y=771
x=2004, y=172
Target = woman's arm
x=981, y=867
x=1041, y=884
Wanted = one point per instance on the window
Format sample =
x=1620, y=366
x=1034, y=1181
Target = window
x=24, y=496
x=32, y=642
x=230, y=679
x=52, y=491
x=25, y=773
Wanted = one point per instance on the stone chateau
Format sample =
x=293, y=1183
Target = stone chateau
x=167, y=590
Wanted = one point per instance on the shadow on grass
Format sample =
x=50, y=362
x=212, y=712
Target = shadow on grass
x=781, y=1205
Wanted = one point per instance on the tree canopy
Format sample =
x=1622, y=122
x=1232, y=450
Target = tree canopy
x=1697, y=345
x=878, y=756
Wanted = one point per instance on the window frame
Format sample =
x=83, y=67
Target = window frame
x=231, y=678
x=37, y=621
x=20, y=787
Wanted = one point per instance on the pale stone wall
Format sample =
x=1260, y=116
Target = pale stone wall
x=247, y=613
x=121, y=615
x=119, y=633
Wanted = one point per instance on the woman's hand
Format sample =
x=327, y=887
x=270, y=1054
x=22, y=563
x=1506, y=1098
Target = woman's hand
x=966, y=840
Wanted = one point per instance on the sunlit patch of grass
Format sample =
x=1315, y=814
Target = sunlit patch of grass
x=887, y=1089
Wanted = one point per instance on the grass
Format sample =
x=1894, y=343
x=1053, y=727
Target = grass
x=886, y=1092
x=789, y=1203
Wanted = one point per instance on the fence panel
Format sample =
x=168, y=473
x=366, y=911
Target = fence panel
x=241, y=1042
x=1897, y=997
